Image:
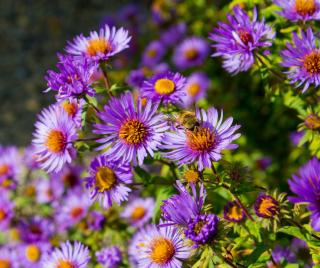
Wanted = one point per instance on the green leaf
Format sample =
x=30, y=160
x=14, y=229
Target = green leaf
x=294, y=231
x=162, y=194
x=205, y=259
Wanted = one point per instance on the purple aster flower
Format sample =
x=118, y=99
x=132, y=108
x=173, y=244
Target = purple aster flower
x=130, y=132
x=8, y=258
x=108, y=181
x=183, y=207
x=35, y=230
x=303, y=60
x=74, y=109
x=73, y=209
x=100, y=46
x=266, y=206
x=174, y=34
x=70, y=176
x=109, y=257
x=10, y=167
x=68, y=255
x=31, y=255
x=195, y=88
x=204, y=143
x=237, y=41
x=306, y=185
x=202, y=228
x=153, y=53
x=280, y=253
x=135, y=78
x=6, y=211
x=161, y=247
x=166, y=87
x=233, y=212
x=73, y=78
x=53, y=138
x=295, y=10
x=160, y=68
x=95, y=220
x=48, y=191
x=139, y=211
x=190, y=53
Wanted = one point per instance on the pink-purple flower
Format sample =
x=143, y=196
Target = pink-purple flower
x=299, y=10
x=237, y=41
x=6, y=211
x=306, y=186
x=53, y=138
x=108, y=181
x=303, y=60
x=130, y=132
x=204, y=143
x=153, y=53
x=166, y=87
x=110, y=257
x=100, y=45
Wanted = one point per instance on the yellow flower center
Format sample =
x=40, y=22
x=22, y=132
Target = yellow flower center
x=133, y=132
x=191, y=54
x=65, y=264
x=312, y=62
x=4, y=169
x=105, y=179
x=76, y=212
x=70, y=108
x=192, y=176
x=164, y=86
x=56, y=141
x=245, y=36
x=193, y=89
x=198, y=227
x=33, y=253
x=5, y=263
x=305, y=7
x=30, y=190
x=268, y=207
x=98, y=45
x=162, y=250
x=6, y=183
x=312, y=121
x=138, y=213
x=235, y=212
x=200, y=139
x=151, y=53
x=3, y=214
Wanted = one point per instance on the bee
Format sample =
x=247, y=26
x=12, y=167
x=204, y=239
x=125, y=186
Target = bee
x=186, y=119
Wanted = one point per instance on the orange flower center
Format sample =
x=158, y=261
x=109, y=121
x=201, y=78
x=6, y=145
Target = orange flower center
x=235, y=212
x=105, y=179
x=305, y=7
x=30, y=190
x=133, y=132
x=268, y=207
x=3, y=214
x=5, y=263
x=56, y=141
x=138, y=213
x=193, y=89
x=200, y=139
x=76, y=212
x=192, y=176
x=312, y=121
x=4, y=169
x=198, y=227
x=70, y=108
x=65, y=264
x=162, y=250
x=33, y=253
x=245, y=36
x=312, y=62
x=6, y=183
x=164, y=86
x=98, y=45
x=191, y=54
x=151, y=53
